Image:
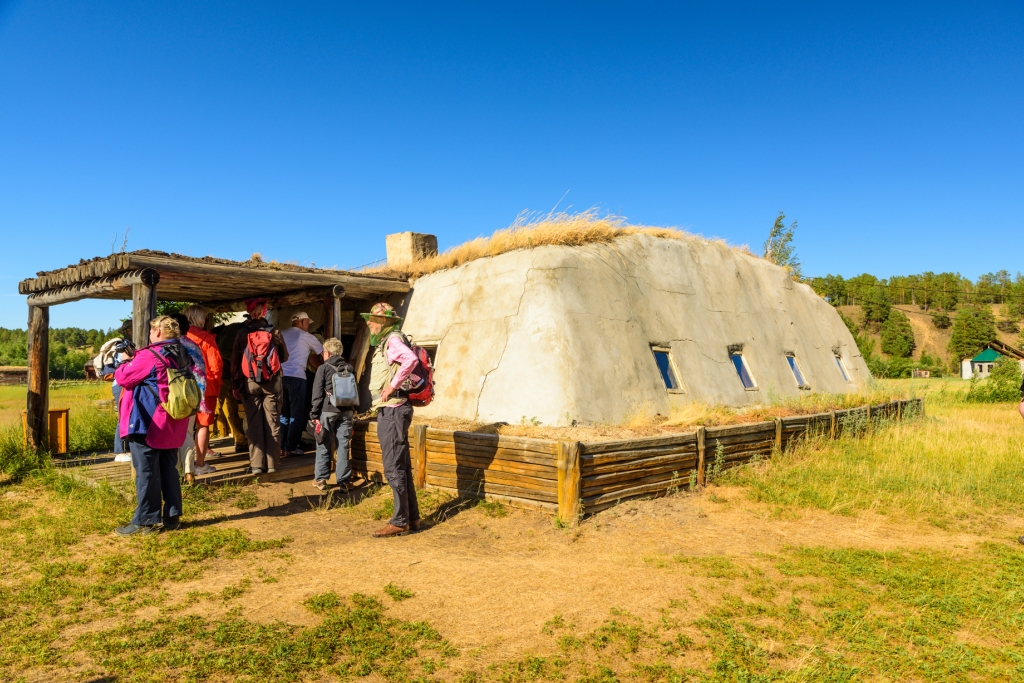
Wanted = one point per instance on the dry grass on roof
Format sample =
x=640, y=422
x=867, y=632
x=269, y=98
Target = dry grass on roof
x=530, y=230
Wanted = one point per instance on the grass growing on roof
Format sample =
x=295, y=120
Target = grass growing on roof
x=530, y=230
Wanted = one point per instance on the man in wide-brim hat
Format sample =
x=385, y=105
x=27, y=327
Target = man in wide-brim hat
x=393, y=362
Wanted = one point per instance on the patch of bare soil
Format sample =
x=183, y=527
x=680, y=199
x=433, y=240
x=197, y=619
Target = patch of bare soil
x=489, y=584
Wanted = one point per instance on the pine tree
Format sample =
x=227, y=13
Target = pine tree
x=973, y=328
x=897, y=335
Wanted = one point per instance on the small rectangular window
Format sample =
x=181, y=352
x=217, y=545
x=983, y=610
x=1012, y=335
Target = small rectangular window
x=742, y=370
x=431, y=348
x=842, y=367
x=669, y=374
x=795, y=367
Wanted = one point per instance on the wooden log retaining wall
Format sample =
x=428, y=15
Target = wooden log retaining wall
x=572, y=478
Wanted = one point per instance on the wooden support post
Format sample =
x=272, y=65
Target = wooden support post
x=868, y=425
x=38, y=403
x=778, y=434
x=569, y=482
x=336, y=317
x=832, y=425
x=143, y=307
x=419, y=456
x=701, y=433
x=360, y=347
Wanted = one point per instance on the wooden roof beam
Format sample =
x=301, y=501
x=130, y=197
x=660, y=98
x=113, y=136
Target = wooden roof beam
x=293, y=298
x=99, y=287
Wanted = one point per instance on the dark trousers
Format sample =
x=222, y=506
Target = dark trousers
x=293, y=412
x=118, y=444
x=393, y=434
x=156, y=475
x=336, y=432
x=262, y=422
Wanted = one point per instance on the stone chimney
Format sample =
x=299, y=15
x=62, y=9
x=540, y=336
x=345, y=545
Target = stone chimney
x=405, y=247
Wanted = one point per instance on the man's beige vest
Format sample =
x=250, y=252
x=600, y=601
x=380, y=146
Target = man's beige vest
x=381, y=373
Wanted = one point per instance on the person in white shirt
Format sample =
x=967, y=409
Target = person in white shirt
x=294, y=411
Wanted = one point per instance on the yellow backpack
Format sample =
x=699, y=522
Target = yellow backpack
x=182, y=390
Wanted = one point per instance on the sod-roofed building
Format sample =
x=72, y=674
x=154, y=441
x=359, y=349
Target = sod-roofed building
x=636, y=324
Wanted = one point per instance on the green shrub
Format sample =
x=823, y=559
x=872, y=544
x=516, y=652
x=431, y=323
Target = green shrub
x=1003, y=385
x=16, y=461
x=92, y=429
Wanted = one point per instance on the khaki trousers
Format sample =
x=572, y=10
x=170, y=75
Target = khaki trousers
x=263, y=422
x=227, y=416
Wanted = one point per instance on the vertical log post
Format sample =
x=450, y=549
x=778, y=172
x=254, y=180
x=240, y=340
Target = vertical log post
x=701, y=450
x=143, y=307
x=38, y=403
x=832, y=424
x=778, y=434
x=569, y=482
x=868, y=425
x=419, y=456
x=336, y=311
x=360, y=347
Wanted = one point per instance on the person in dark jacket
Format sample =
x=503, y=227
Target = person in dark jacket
x=333, y=425
x=262, y=399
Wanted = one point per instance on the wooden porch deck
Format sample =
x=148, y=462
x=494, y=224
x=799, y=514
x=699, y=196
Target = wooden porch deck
x=231, y=468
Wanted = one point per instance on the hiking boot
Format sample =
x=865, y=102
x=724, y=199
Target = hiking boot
x=321, y=485
x=415, y=526
x=136, y=530
x=172, y=523
x=255, y=470
x=344, y=487
x=271, y=470
x=203, y=469
x=390, y=530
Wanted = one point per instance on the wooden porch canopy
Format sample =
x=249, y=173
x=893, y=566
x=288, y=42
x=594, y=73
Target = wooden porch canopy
x=219, y=284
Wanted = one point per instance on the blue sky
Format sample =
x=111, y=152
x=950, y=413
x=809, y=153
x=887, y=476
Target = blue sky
x=309, y=131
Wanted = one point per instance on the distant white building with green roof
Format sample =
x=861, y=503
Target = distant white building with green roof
x=982, y=364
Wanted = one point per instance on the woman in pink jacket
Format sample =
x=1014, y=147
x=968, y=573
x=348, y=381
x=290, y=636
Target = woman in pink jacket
x=152, y=436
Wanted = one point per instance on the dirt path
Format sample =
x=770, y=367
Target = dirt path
x=490, y=584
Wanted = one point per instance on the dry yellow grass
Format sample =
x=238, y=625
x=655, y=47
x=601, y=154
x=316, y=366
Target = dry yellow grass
x=644, y=421
x=529, y=231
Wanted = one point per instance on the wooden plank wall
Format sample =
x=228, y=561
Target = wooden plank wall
x=517, y=470
x=526, y=472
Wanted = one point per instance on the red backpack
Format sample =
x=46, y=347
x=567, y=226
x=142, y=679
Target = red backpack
x=261, y=361
x=419, y=387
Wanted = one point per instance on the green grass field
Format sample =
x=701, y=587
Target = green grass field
x=76, y=604
x=73, y=395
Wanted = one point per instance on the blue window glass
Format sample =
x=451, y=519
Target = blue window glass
x=842, y=368
x=800, y=382
x=741, y=370
x=668, y=375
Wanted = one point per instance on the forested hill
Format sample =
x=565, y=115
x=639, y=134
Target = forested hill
x=70, y=348
x=930, y=321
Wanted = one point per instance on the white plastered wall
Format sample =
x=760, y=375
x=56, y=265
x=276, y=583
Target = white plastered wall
x=556, y=334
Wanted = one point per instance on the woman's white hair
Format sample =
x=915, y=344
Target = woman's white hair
x=196, y=315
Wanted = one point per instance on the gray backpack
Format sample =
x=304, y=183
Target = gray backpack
x=345, y=392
